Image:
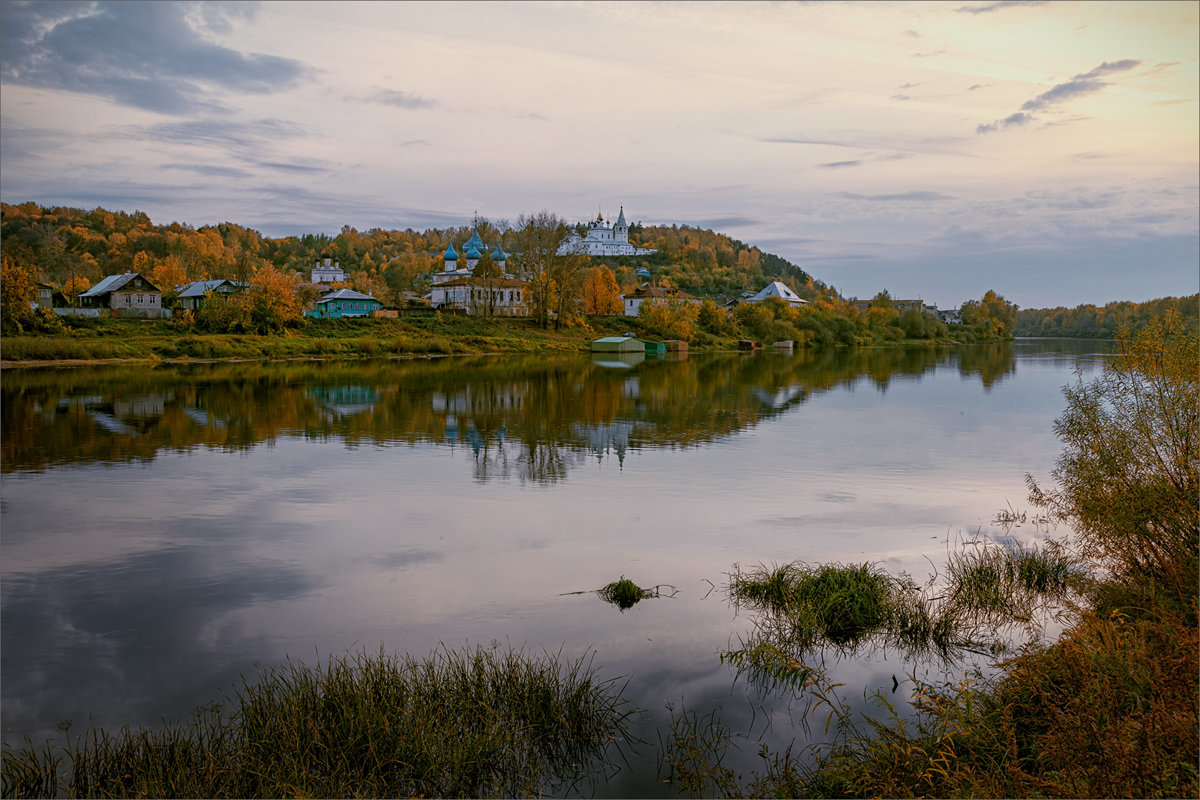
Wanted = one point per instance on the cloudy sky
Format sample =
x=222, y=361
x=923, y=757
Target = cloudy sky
x=1046, y=150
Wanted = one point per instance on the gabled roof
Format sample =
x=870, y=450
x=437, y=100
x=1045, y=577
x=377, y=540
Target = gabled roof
x=780, y=290
x=347, y=294
x=198, y=288
x=114, y=282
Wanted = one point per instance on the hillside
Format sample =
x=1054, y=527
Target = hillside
x=67, y=246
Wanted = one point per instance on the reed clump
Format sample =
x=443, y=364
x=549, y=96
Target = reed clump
x=625, y=594
x=839, y=605
x=459, y=723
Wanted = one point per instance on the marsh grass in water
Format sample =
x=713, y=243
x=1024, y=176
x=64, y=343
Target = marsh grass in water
x=990, y=594
x=459, y=723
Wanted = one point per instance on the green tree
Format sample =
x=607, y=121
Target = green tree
x=1127, y=478
x=671, y=318
x=993, y=316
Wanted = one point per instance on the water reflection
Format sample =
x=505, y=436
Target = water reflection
x=527, y=418
x=150, y=562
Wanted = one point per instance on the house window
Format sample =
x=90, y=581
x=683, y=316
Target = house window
x=141, y=299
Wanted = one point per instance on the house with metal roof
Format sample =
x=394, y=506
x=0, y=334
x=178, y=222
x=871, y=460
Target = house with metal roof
x=127, y=295
x=192, y=296
x=618, y=344
x=345, y=303
x=782, y=291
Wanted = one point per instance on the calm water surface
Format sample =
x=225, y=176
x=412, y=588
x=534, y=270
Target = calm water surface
x=165, y=530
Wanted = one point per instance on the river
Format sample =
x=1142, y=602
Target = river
x=163, y=530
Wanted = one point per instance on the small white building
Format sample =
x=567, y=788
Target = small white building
x=328, y=273
x=633, y=300
x=602, y=240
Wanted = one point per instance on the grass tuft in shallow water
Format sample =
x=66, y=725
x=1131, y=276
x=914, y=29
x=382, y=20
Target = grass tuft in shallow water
x=624, y=593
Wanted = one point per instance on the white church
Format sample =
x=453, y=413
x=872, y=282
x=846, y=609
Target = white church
x=456, y=287
x=602, y=240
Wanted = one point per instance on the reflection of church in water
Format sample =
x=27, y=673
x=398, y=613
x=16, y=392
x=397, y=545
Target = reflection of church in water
x=479, y=420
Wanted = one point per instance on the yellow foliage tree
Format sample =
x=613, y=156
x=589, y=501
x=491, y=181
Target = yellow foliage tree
x=600, y=292
x=17, y=290
x=670, y=318
x=272, y=295
x=168, y=274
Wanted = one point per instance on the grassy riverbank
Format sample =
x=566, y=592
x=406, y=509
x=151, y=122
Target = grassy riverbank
x=127, y=339
x=92, y=340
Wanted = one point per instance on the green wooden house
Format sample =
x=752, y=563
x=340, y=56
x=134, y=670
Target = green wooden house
x=345, y=303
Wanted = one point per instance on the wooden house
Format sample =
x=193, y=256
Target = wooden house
x=345, y=303
x=193, y=296
x=127, y=295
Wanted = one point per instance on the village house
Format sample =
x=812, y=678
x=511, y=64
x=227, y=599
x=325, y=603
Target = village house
x=127, y=295
x=782, y=291
x=193, y=296
x=633, y=300
x=46, y=296
x=345, y=303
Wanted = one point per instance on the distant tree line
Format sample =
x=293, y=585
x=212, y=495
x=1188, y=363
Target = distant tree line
x=1103, y=322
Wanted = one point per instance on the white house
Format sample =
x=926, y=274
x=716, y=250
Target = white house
x=780, y=290
x=602, y=240
x=633, y=300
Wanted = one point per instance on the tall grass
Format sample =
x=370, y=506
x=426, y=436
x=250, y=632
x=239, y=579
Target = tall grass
x=989, y=594
x=460, y=723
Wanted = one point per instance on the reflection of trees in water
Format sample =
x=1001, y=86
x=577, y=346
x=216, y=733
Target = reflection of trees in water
x=532, y=418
